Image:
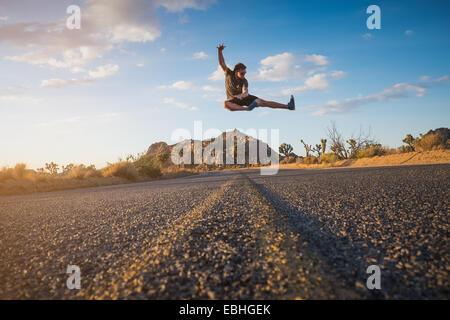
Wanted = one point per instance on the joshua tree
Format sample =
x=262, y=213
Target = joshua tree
x=409, y=140
x=307, y=147
x=353, y=147
x=324, y=145
x=285, y=149
x=52, y=167
x=66, y=169
x=317, y=148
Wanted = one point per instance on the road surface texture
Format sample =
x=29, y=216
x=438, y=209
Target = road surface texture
x=300, y=234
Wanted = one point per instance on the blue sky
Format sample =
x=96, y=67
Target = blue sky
x=137, y=70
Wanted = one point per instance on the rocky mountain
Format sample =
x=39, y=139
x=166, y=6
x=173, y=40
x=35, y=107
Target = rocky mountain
x=250, y=145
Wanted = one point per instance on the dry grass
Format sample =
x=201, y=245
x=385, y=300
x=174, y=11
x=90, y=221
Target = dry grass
x=20, y=180
x=288, y=159
x=122, y=169
x=83, y=172
x=428, y=157
x=23, y=186
x=432, y=141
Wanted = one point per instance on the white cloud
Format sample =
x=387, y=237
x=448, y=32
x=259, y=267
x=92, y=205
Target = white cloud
x=285, y=66
x=200, y=55
x=217, y=75
x=395, y=92
x=103, y=71
x=442, y=79
x=367, y=35
x=180, y=5
x=317, y=82
x=409, y=32
x=163, y=49
x=186, y=85
x=140, y=65
x=106, y=24
x=59, y=83
x=4, y=18
x=180, y=105
x=93, y=75
x=180, y=85
x=212, y=88
x=338, y=74
x=77, y=70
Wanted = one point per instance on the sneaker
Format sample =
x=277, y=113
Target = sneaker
x=252, y=105
x=291, y=103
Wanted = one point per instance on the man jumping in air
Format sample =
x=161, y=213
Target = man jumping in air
x=237, y=90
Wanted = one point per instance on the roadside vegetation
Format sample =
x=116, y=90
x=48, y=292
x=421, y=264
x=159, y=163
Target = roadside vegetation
x=142, y=167
x=335, y=147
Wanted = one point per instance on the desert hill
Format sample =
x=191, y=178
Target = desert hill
x=230, y=148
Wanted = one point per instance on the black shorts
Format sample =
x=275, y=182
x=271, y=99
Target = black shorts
x=245, y=101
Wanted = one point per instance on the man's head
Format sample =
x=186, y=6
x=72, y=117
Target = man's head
x=240, y=70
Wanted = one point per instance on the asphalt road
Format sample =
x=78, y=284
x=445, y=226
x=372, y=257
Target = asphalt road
x=308, y=234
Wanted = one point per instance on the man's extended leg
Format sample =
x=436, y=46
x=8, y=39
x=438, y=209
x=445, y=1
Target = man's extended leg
x=271, y=104
x=233, y=106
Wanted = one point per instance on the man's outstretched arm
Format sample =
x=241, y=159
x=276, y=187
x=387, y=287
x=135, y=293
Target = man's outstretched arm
x=221, y=59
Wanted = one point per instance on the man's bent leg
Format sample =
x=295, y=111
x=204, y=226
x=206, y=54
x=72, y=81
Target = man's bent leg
x=233, y=107
x=271, y=104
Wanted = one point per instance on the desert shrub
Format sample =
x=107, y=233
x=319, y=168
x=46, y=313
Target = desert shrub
x=66, y=169
x=390, y=151
x=204, y=167
x=291, y=159
x=146, y=166
x=288, y=159
x=123, y=169
x=163, y=157
x=310, y=160
x=329, y=158
x=38, y=176
x=371, y=151
x=83, y=172
x=5, y=174
x=405, y=149
x=19, y=171
x=431, y=141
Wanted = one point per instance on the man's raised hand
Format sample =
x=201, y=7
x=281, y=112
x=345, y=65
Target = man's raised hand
x=221, y=47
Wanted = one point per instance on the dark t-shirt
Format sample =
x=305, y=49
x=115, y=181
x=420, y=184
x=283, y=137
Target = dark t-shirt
x=233, y=85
